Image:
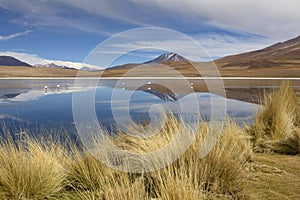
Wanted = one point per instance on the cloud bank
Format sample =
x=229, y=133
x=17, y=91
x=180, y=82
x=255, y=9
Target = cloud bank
x=277, y=19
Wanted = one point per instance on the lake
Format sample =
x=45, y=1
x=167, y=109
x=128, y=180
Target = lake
x=25, y=104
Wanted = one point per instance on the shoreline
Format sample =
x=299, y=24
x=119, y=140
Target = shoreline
x=248, y=89
x=154, y=77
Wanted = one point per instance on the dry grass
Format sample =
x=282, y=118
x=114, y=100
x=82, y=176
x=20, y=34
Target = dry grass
x=220, y=174
x=274, y=177
x=45, y=169
x=31, y=170
x=276, y=126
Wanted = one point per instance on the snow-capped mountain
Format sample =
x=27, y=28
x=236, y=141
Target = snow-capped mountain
x=36, y=61
x=167, y=57
x=52, y=65
x=74, y=65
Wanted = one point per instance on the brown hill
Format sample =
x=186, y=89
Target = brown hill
x=283, y=54
x=288, y=50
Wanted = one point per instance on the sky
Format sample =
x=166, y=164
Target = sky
x=69, y=30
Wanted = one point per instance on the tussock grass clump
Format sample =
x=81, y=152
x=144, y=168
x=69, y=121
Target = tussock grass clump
x=275, y=126
x=29, y=170
x=218, y=175
x=46, y=169
x=89, y=178
x=290, y=145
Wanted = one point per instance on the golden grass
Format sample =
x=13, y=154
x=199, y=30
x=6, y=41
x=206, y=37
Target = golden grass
x=274, y=177
x=220, y=174
x=45, y=170
x=30, y=171
x=275, y=128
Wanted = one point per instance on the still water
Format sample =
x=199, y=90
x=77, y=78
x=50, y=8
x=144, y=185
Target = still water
x=39, y=105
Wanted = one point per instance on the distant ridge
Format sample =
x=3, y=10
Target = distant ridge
x=167, y=57
x=52, y=65
x=11, y=61
x=278, y=60
x=288, y=50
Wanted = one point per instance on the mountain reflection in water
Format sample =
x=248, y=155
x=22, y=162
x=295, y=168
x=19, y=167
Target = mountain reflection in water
x=28, y=105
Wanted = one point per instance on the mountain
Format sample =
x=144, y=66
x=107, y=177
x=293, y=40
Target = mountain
x=71, y=65
x=279, y=54
x=279, y=60
x=52, y=65
x=34, y=60
x=11, y=61
x=167, y=57
x=155, y=67
x=58, y=69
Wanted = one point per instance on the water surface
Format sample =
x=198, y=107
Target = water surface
x=26, y=104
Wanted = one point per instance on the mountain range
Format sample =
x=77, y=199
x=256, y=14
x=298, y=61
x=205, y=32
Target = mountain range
x=22, y=59
x=279, y=60
x=52, y=65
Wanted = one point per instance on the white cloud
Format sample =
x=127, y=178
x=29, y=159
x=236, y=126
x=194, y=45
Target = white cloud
x=277, y=19
x=14, y=35
x=212, y=46
x=222, y=45
x=89, y=16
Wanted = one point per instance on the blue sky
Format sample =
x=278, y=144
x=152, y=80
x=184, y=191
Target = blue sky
x=69, y=29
